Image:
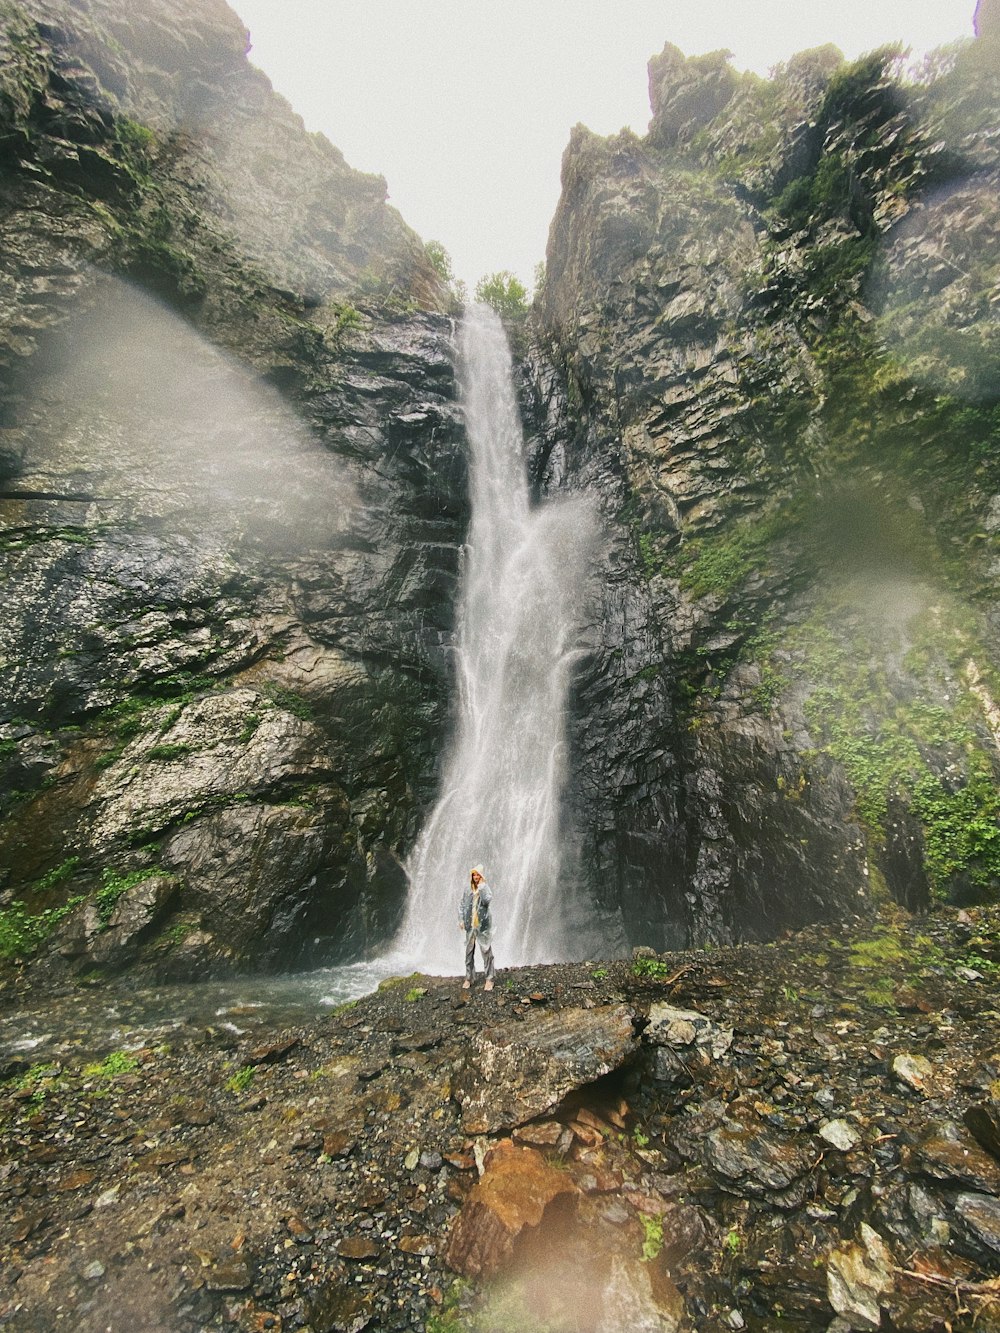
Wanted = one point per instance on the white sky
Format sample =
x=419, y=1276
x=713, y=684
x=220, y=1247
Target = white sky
x=465, y=106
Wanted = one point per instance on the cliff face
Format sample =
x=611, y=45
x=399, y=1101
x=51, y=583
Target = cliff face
x=768, y=338
x=232, y=490
x=231, y=496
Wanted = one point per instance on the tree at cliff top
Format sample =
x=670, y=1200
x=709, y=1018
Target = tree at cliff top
x=507, y=295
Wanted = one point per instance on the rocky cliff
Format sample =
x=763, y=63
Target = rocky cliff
x=232, y=489
x=231, y=496
x=768, y=338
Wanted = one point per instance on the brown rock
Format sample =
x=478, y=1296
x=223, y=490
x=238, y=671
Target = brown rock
x=358, y=1247
x=947, y=1154
x=516, y=1187
x=543, y=1134
x=461, y=1161
x=269, y=1055
x=983, y=1122
x=168, y=1156
x=585, y=1117
x=197, y=1113
x=76, y=1180
x=339, y=1143
x=230, y=1275
x=586, y=1134
x=418, y=1244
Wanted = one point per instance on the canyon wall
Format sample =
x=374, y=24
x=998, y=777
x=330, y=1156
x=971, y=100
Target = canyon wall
x=768, y=338
x=232, y=493
x=233, y=497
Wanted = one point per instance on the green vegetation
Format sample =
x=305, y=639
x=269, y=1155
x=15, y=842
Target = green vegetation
x=137, y=141
x=440, y=260
x=242, y=1079
x=505, y=293
x=393, y=983
x=39, y=1081
x=599, y=974
x=22, y=933
x=886, y=741
x=250, y=726
x=114, y=886
x=652, y=1242
x=345, y=317
x=56, y=875
x=718, y=564
x=168, y=752
x=650, y=969
x=290, y=702
x=732, y=1242
x=14, y=539
x=112, y=1066
x=448, y=1318
x=178, y=932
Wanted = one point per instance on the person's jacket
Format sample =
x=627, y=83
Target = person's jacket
x=465, y=912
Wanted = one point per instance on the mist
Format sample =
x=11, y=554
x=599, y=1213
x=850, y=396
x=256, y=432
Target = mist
x=134, y=416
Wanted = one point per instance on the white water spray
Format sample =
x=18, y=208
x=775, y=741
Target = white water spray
x=519, y=613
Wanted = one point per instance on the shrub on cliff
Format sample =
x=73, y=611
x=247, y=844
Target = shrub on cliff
x=505, y=293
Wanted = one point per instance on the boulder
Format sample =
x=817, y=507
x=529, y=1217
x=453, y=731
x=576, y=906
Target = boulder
x=685, y=1044
x=743, y=1154
x=516, y=1187
x=513, y=1074
x=638, y=1298
x=136, y=914
x=840, y=1134
x=859, y=1278
x=947, y=1153
x=982, y=1119
x=916, y=1071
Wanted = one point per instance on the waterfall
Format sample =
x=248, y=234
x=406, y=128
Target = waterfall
x=522, y=591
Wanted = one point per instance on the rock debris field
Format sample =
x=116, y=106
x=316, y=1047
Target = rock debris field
x=804, y=1135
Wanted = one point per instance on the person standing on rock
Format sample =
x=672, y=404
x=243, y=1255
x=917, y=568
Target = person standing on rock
x=474, y=918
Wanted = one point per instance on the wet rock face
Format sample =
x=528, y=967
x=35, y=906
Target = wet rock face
x=741, y=338
x=232, y=494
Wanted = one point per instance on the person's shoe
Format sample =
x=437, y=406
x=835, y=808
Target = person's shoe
x=466, y=984
x=488, y=986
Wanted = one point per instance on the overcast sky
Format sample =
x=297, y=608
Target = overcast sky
x=465, y=106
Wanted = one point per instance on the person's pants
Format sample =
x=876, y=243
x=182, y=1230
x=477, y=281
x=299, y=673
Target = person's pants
x=485, y=948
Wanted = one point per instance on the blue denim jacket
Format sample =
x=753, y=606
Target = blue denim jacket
x=465, y=911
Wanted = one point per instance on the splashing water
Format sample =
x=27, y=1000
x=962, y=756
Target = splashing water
x=523, y=588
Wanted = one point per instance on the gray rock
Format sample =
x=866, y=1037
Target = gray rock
x=916, y=1071
x=981, y=1214
x=669, y=1026
x=859, y=1278
x=840, y=1134
x=755, y=1161
x=511, y=1076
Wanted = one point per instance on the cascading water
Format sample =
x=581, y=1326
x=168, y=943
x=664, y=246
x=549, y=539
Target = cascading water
x=523, y=588
x=521, y=605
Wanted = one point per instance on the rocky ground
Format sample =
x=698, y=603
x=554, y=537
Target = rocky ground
x=801, y=1135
